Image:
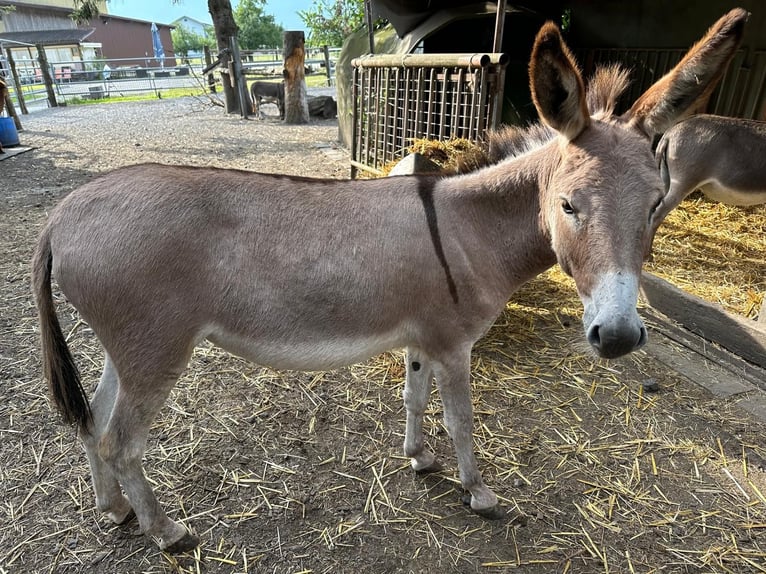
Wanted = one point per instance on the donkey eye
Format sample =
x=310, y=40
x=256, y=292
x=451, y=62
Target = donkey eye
x=567, y=207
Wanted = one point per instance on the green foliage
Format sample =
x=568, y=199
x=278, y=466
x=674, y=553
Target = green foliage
x=85, y=10
x=185, y=41
x=256, y=28
x=331, y=21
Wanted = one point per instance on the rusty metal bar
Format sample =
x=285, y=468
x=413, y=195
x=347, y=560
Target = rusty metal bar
x=430, y=60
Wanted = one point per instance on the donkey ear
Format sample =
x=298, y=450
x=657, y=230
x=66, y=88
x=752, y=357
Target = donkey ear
x=557, y=87
x=687, y=87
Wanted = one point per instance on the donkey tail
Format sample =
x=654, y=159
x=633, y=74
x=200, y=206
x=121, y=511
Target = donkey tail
x=59, y=368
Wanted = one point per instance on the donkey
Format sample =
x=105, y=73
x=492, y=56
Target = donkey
x=723, y=157
x=312, y=274
x=273, y=92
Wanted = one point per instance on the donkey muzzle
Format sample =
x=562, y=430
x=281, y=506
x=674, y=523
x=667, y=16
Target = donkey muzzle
x=612, y=325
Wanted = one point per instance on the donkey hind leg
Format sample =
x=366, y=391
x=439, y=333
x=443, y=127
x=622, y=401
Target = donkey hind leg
x=453, y=379
x=122, y=446
x=109, y=497
x=417, y=387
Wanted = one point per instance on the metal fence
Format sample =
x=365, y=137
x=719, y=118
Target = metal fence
x=96, y=79
x=397, y=99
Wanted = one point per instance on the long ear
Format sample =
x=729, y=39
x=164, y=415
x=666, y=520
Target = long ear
x=689, y=84
x=556, y=84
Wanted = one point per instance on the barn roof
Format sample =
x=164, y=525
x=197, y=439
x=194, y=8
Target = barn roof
x=48, y=37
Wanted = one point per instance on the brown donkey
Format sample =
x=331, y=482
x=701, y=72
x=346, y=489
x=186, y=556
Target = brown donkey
x=310, y=274
x=725, y=158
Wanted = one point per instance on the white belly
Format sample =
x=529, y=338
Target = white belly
x=303, y=355
x=717, y=192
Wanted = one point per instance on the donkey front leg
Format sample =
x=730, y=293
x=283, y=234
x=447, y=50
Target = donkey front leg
x=417, y=391
x=109, y=497
x=453, y=378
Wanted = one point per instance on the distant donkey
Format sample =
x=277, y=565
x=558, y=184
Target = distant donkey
x=265, y=92
x=314, y=274
x=724, y=158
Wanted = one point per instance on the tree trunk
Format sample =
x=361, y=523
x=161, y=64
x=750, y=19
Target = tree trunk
x=296, y=108
x=225, y=28
x=46, y=73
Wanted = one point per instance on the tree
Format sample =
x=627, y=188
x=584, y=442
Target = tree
x=225, y=29
x=330, y=21
x=185, y=41
x=256, y=29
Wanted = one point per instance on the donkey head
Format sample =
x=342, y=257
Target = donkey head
x=603, y=190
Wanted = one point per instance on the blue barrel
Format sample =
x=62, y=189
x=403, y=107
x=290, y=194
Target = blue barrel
x=9, y=136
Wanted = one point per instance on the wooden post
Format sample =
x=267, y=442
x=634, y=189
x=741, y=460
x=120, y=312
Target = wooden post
x=497, y=45
x=296, y=106
x=17, y=83
x=240, y=84
x=326, y=50
x=368, y=21
x=208, y=63
x=11, y=109
x=44, y=68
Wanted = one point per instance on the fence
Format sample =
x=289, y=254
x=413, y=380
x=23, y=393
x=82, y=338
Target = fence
x=270, y=62
x=397, y=99
x=96, y=79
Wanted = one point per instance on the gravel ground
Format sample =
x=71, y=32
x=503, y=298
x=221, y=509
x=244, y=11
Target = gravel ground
x=99, y=137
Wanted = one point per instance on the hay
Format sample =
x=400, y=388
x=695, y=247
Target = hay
x=302, y=472
x=456, y=155
x=716, y=252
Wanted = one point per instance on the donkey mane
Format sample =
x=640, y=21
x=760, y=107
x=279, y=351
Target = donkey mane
x=605, y=88
x=603, y=92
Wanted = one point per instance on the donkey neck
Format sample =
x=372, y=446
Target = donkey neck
x=502, y=207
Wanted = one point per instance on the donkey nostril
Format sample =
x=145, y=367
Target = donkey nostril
x=643, y=337
x=593, y=336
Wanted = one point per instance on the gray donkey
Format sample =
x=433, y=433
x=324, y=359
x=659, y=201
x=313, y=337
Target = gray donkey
x=273, y=92
x=725, y=158
x=311, y=274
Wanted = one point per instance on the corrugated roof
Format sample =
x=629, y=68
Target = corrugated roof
x=49, y=37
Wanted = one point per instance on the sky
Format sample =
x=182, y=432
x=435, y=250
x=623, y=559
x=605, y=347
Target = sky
x=165, y=11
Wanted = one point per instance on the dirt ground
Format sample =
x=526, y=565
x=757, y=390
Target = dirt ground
x=290, y=472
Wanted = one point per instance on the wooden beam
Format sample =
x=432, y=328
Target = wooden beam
x=744, y=337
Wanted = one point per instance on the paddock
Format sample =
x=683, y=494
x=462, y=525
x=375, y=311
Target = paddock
x=655, y=462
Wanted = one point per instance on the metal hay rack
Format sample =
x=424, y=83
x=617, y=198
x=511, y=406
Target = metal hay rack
x=397, y=99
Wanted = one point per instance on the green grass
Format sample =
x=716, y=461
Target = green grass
x=163, y=94
x=313, y=81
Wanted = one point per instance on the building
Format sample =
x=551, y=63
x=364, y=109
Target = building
x=47, y=23
x=192, y=25
x=128, y=42
x=120, y=41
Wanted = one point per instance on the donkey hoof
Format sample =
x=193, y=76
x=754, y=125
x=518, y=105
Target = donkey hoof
x=492, y=513
x=187, y=542
x=435, y=466
x=128, y=517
